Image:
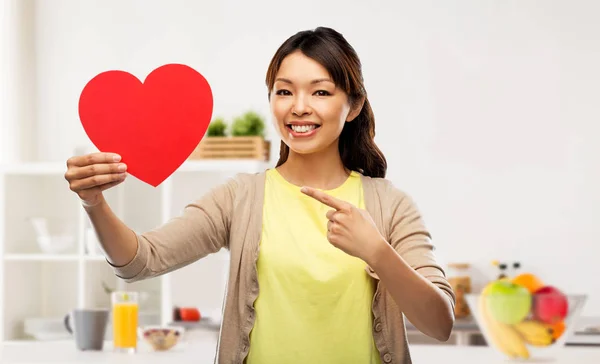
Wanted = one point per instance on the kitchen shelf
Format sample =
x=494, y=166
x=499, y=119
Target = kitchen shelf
x=34, y=168
x=30, y=277
x=36, y=289
x=205, y=165
x=41, y=257
x=94, y=258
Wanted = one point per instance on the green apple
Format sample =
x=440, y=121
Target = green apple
x=507, y=302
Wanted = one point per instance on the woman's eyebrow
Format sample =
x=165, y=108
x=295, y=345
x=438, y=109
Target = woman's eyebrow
x=318, y=80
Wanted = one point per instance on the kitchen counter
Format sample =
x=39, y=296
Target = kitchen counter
x=200, y=349
x=465, y=328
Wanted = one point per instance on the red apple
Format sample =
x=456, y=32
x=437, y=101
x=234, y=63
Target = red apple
x=550, y=305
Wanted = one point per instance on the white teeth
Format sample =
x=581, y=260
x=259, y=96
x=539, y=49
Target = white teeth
x=303, y=128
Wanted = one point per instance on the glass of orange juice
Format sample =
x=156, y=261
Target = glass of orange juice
x=125, y=321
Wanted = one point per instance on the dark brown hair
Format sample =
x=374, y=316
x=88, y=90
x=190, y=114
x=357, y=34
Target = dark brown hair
x=328, y=47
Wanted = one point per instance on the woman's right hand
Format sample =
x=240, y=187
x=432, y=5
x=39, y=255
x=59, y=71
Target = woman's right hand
x=89, y=175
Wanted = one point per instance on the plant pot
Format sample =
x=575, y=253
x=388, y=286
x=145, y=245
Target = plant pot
x=238, y=147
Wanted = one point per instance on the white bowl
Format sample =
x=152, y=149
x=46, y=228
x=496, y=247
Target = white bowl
x=55, y=244
x=528, y=339
x=45, y=329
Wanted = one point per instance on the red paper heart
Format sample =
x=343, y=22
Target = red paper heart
x=154, y=126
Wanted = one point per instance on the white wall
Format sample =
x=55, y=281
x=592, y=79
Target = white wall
x=17, y=82
x=3, y=71
x=487, y=110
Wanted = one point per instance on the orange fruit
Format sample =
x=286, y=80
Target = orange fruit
x=557, y=329
x=529, y=281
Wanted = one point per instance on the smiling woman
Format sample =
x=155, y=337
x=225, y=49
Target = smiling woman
x=327, y=257
x=321, y=110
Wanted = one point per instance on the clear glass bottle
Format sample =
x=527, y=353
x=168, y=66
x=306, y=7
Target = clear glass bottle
x=460, y=280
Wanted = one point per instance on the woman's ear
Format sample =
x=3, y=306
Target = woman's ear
x=356, y=109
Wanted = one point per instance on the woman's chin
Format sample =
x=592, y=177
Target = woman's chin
x=302, y=148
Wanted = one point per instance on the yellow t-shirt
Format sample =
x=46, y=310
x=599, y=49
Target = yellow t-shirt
x=314, y=304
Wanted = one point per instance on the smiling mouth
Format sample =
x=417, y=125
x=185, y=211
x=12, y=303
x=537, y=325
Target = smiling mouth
x=307, y=128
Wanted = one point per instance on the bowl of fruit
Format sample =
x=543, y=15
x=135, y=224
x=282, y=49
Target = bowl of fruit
x=162, y=338
x=525, y=319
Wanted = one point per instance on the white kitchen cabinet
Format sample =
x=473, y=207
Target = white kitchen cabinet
x=40, y=284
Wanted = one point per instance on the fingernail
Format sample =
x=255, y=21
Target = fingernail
x=122, y=168
x=117, y=158
x=303, y=189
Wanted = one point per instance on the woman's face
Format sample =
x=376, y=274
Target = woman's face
x=308, y=110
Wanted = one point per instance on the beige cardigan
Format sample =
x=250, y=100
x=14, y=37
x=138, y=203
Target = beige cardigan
x=230, y=216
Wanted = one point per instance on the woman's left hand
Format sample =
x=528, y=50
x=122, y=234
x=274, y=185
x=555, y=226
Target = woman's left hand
x=349, y=228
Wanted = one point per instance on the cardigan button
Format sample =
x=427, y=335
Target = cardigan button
x=378, y=327
x=387, y=358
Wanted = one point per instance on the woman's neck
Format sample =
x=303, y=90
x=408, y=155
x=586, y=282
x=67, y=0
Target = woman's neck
x=323, y=170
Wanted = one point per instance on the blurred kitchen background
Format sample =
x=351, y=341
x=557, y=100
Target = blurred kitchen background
x=487, y=112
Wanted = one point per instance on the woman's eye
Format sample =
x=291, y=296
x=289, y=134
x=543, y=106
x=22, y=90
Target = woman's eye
x=287, y=93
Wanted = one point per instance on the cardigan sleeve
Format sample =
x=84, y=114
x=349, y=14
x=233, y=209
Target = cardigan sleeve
x=201, y=229
x=409, y=236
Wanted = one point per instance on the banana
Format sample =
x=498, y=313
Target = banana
x=535, y=333
x=504, y=337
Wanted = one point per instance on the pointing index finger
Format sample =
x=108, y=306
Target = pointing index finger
x=325, y=198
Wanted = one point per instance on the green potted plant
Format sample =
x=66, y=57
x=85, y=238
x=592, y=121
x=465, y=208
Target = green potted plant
x=246, y=139
x=248, y=124
x=217, y=128
x=251, y=126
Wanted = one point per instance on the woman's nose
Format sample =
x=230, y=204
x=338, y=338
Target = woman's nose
x=300, y=106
